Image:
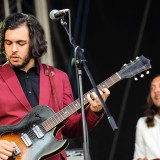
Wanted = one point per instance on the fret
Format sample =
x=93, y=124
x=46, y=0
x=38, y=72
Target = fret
x=56, y=117
x=116, y=78
x=76, y=106
x=110, y=81
x=46, y=125
x=85, y=99
x=52, y=120
x=61, y=118
x=70, y=109
x=66, y=113
x=106, y=84
x=100, y=87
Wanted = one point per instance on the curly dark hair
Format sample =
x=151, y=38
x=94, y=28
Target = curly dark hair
x=151, y=109
x=38, y=44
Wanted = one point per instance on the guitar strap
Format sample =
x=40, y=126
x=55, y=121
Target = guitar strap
x=49, y=72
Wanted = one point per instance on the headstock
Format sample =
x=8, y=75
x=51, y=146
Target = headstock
x=140, y=64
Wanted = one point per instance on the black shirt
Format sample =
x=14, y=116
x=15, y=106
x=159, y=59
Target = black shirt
x=30, y=83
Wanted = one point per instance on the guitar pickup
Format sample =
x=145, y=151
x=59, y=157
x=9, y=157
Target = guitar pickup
x=26, y=139
x=37, y=130
x=17, y=151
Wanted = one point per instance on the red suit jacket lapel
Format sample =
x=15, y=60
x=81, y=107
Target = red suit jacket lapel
x=11, y=80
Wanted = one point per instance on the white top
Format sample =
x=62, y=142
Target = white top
x=147, y=142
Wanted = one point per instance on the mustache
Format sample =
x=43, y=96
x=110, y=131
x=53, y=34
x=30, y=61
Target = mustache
x=14, y=56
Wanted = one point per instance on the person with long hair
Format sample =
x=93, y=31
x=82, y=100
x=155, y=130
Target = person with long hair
x=147, y=139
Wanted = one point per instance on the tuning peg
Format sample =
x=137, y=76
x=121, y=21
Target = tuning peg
x=131, y=61
x=125, y=64
x=147, y=72
x=142, y=75
x=135, y=78
x=137, y=57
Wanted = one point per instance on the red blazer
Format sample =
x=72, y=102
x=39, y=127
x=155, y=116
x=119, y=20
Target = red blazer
x=14, y=104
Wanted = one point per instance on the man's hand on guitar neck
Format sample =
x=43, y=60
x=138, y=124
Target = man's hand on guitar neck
x=6, y=149
x=94, y=101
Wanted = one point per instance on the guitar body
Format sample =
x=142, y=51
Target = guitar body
x=40, y=148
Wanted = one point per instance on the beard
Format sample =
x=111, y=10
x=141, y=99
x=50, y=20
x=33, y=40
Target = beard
x=23, y=64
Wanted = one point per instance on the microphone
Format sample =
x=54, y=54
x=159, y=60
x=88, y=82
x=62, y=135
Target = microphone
x=55, y=14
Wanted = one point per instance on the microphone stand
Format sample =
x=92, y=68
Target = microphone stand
x=79, y=61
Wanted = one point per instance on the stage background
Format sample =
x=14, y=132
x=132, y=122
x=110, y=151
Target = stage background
x=111, y=32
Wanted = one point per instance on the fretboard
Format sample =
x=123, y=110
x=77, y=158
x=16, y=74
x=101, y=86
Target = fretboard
x=63, y=114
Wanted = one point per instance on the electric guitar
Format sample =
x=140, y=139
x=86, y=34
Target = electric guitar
x=34, y=135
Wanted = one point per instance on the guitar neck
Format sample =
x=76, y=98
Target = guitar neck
x=127, y=71
x=63, y=114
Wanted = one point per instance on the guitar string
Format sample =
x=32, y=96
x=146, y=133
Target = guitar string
x=115, y=79
x=47, y=125
x=55, y=119
x=64, y=113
